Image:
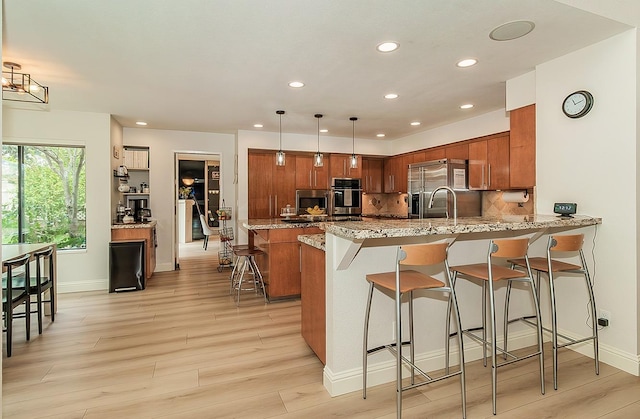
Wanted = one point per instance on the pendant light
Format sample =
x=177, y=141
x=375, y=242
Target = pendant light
x=280, y=157
x=318, y=158
x=354, y=158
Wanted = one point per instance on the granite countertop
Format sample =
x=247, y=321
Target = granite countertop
x=150, y=224
x=313, y=240
x=277, y=223
x=379, y=228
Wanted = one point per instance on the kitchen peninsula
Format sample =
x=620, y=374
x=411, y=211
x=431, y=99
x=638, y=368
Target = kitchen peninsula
x=354, y=249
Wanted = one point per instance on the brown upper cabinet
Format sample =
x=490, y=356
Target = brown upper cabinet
x=271, y=187
x=372, y=175
x=310, y=177
x=489, y=163
x=523, y=147
x=395, y=174
x=340, y=166
x=435, y=154
x=457, y=151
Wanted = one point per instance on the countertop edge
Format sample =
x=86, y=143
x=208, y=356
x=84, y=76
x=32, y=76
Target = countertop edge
x=314, y=240
x=150, y=224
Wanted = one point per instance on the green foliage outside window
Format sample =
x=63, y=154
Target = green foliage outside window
x=53, y=195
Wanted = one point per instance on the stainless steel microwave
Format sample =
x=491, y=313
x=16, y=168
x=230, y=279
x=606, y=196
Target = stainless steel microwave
x=309, y=198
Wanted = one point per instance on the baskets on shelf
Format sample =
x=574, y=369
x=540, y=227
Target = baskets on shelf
x=224, y=213
x=226, y=234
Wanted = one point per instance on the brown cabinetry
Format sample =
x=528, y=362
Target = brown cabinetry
x=270, y=187
x=489, y=163
x=312, y=300
x=307, y=176
x=148, y=234
x=340, y=166
x=280, y=264
x=457, y=151
x=435, y=154
x=372, y=175
x=522, y=144
x=395, y=174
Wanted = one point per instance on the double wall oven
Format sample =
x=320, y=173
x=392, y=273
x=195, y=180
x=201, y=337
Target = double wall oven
x=345, y=196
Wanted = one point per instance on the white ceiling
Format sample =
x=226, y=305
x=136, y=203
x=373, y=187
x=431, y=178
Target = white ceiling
x=223, y=65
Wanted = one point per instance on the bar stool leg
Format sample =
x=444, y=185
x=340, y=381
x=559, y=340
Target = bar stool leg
x=506, y=319
x=554, y=330
x=411, y=347
x=484, y=324
x=536, y=304
x=494, y=368
x=398, y=302
x=366, y=342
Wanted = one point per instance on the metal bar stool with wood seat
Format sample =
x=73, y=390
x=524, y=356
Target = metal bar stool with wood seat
x=569, y=245
x=247, y=259
x=408, y=281
x=490, y=273
x=13, y=296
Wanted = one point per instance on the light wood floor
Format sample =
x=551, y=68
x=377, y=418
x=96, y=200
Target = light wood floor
x=182, y=349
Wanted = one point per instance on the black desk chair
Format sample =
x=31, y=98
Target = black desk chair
x=14, y=295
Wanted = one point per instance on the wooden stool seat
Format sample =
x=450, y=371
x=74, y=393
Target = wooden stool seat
x=481, y=271
x=409, y=281
x=540, y=264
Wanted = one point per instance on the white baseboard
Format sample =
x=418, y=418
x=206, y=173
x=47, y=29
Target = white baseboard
x=101, y=285
x=385, y=372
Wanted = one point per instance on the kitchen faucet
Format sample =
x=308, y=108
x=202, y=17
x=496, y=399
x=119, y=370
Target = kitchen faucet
x=455, y=201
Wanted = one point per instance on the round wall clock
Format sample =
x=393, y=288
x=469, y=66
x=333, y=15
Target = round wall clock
x=577, y=104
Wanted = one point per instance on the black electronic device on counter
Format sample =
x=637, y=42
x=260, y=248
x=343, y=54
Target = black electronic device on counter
x=565, y=209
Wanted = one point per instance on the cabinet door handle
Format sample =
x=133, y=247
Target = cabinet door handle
x=482, y=184
x=315, y=178
x=489, y=176
x=344, y=167
x=300, y=259
x=269, y=205
x=275, y=206
x=310, y=184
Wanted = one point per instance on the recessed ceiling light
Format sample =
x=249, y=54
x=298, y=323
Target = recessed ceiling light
x=466, y=106
x=258, y=125
x=141, y=123
x=296, y=84
x=512, y=30
x=380, y=135
x=391, y=96
x=388, y=46
x=415, y=123
x=324, y=130
x=467, y=62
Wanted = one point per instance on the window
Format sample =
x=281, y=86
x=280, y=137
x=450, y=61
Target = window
x=43, y=195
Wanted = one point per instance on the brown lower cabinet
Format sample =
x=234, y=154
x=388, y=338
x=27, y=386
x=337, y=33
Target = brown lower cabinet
x=148, y=234
x=313, y=300
x=280, y=264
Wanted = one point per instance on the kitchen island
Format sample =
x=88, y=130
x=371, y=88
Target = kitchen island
x=280, y=262
x=354, y=249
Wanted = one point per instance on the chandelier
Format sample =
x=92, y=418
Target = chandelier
x=20, y=87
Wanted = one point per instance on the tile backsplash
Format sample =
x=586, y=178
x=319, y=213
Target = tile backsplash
x=385, y=204
x=397, y=204
x=493, y=204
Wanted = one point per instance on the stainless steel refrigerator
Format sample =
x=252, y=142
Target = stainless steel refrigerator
x=425, y=177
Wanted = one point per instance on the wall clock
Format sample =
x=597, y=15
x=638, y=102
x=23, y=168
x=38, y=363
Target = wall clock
x=577, y=104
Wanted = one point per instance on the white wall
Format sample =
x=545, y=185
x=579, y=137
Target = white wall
x=162, y=148
x=78, y=270
x=593, y=161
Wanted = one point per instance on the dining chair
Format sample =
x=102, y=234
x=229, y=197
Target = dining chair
x=13, y=297
x=42, y=282
x=206, y=230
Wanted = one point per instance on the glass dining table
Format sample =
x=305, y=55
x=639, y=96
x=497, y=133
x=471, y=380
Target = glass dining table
x=11, y=251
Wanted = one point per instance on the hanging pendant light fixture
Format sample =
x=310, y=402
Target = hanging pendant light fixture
x=354, y=158
x=280, y=157
x=20, y=87
x=318, y=159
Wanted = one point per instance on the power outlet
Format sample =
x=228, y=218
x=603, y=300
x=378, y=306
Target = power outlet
x=604, y=318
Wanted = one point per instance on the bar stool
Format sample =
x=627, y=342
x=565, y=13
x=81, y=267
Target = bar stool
x=571, y=244
x=246, y=258
x=489, y=273
x=408, y=281
x=15, y=294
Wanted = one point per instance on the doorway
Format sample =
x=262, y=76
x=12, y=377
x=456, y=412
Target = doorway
x=198, y=191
